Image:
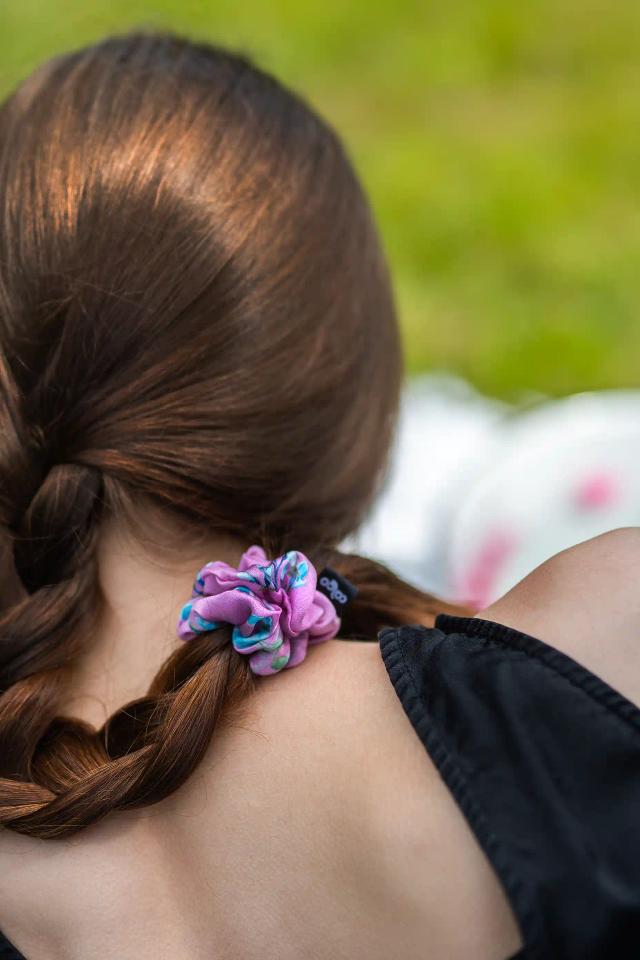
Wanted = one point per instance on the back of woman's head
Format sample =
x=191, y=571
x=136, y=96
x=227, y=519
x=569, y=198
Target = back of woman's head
x=195, y=313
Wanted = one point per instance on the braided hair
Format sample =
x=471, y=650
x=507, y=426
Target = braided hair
x=195, y=312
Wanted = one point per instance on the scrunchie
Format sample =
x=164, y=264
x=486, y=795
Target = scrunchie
x=273, y=604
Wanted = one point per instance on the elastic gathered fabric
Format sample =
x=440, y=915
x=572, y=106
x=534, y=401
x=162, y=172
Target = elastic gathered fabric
x=274, y=606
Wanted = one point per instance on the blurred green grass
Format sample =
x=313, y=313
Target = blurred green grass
x=499, y=142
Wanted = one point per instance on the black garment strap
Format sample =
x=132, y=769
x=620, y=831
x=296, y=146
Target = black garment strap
x=8, y=951
x=543, y=759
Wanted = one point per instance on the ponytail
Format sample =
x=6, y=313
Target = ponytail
x=209, y=329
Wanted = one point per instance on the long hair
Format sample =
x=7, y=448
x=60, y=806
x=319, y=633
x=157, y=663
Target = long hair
x=195, y=311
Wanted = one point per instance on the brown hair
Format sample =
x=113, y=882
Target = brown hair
x=194, y=310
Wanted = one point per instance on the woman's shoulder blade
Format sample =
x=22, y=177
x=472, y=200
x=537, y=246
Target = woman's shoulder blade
x=585, y=602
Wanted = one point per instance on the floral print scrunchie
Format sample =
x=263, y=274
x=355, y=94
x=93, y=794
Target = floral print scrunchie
x=274, y=606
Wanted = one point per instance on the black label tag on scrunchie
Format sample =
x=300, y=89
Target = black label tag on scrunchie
x=337, y=588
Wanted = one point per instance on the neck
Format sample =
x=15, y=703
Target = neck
x=144, y=584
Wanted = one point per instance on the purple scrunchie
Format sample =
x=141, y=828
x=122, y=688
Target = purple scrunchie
x=273, y=605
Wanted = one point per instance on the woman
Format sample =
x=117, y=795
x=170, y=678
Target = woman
x=200, y=369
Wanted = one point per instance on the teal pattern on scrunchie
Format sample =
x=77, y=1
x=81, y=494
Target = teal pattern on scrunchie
x=273, y=605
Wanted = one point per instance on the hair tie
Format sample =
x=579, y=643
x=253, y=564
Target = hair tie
x=277, y=607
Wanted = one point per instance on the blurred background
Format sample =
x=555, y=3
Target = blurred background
x=500, y=145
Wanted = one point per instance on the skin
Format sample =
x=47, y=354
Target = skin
x=331, y=838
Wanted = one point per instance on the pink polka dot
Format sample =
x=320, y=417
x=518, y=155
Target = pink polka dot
x=477, y=583
x=596, y=491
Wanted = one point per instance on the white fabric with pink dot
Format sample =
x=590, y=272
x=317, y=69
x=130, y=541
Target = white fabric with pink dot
x=481, y=493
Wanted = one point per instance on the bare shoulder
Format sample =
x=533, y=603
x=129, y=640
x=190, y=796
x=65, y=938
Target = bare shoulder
x=585, y=601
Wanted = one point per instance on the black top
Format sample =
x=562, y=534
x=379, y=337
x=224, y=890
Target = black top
x=543, y=759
